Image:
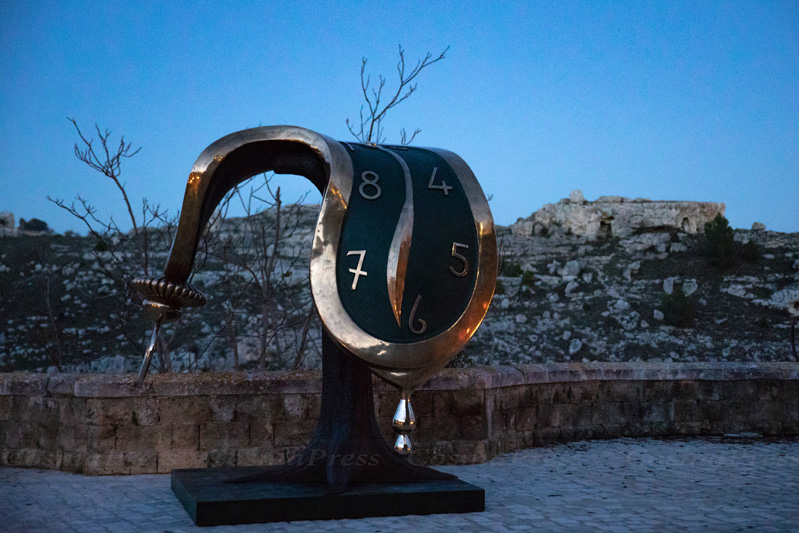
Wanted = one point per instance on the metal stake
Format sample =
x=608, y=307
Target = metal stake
x=148, y=354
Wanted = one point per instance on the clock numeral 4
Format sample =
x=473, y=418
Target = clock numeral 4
x=442, y=186
x=373, y=182
x=455, y=254
x=422, y=327
x=357, y=270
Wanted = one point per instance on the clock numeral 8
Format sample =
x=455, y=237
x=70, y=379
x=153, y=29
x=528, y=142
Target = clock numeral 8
x=373, y=182
x=455, y=246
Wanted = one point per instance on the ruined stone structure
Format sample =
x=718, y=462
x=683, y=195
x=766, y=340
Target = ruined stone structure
x=615, y=216
x=7, y=226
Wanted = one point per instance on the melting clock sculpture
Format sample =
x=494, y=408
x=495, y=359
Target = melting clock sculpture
x=403, y=267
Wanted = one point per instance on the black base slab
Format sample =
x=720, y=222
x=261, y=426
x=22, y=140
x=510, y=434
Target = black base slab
x=211, y=501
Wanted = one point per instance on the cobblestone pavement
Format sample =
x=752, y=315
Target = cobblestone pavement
x=719, y=484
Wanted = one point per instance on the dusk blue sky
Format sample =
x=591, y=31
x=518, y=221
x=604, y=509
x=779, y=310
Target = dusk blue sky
x=663, y=100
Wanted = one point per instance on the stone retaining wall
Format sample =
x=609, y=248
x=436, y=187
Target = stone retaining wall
x=103, y=424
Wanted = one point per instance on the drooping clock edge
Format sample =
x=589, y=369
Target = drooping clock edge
x=405, y=365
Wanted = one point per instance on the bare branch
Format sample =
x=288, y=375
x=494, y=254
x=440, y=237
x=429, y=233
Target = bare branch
x=370, y=129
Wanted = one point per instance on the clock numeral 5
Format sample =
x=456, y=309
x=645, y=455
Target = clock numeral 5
x=422, y=327
x=357, y=270
x=465, y=270
x=373, y=182
x=442, y=187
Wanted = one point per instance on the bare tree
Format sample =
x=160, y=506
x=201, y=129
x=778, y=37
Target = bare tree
x=370, y=126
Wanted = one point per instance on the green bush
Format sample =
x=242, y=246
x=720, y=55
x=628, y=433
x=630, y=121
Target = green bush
x=528, y=280
x=750, y=252
x=513, y=270
x=720, y=243
x=678, y=309
x=500, y=287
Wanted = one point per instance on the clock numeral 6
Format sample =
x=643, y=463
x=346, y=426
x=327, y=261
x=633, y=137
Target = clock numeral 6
x=442, y=187
x=422, y=327
x=373, y=182
x=463, y=272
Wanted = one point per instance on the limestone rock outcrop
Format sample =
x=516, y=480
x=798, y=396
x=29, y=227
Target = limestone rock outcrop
x=615, y=216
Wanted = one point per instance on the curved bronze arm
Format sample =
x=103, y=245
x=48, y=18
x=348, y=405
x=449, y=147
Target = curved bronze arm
x=220, y=167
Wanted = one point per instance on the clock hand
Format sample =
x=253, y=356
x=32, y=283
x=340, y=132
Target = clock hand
x=397, y=263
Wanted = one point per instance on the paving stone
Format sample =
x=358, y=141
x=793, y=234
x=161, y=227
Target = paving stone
x=617, y=486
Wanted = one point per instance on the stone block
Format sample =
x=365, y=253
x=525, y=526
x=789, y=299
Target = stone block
x=34, y=457
x=5, y=408
x=422, y=401
x=685, y=411
x=633, y=412
x=140, y=462
x=511, y=397
x=655, y=412
x=61, y=384
x=144, y=411
x=143, y=438
x=108, y=386
x=685, y=389
x=224, y=435
x=181, y=409
x=72, y=411
x=103, y=464
x=260, y=456
x=265, y=407
x=609, y=414
x=100, y=439
x=548, y=416
x=546, y=436
x=105, y=411
x=525, y=419
x=586, y=392
x=473, y=427
x=468, y=452
x=708, y=390
x=296, y=433
x=467, y=402
x=313, y=406
x=657, y=391
x=73, y=461
x=293, y=406
x=73, y=438
x=221, y=458
x=23, y=384
x=261, y=433
x=46, y=435
x=444, y=427
x=623, y=391
x=687, y=428
x=562, y=393
x=169, y=460
x=185, y=437
x=542, y=393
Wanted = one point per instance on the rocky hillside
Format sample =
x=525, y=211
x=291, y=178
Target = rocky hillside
x=611, y=280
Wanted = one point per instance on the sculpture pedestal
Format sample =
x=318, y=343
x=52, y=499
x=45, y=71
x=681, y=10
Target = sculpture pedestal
x=213, y=497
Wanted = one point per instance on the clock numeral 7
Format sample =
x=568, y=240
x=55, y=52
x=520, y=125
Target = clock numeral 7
x=442, y=187
x=357, y=270
x=422, y=327
x=463, y=272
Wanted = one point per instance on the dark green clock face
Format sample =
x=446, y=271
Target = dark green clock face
x=408, y=252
